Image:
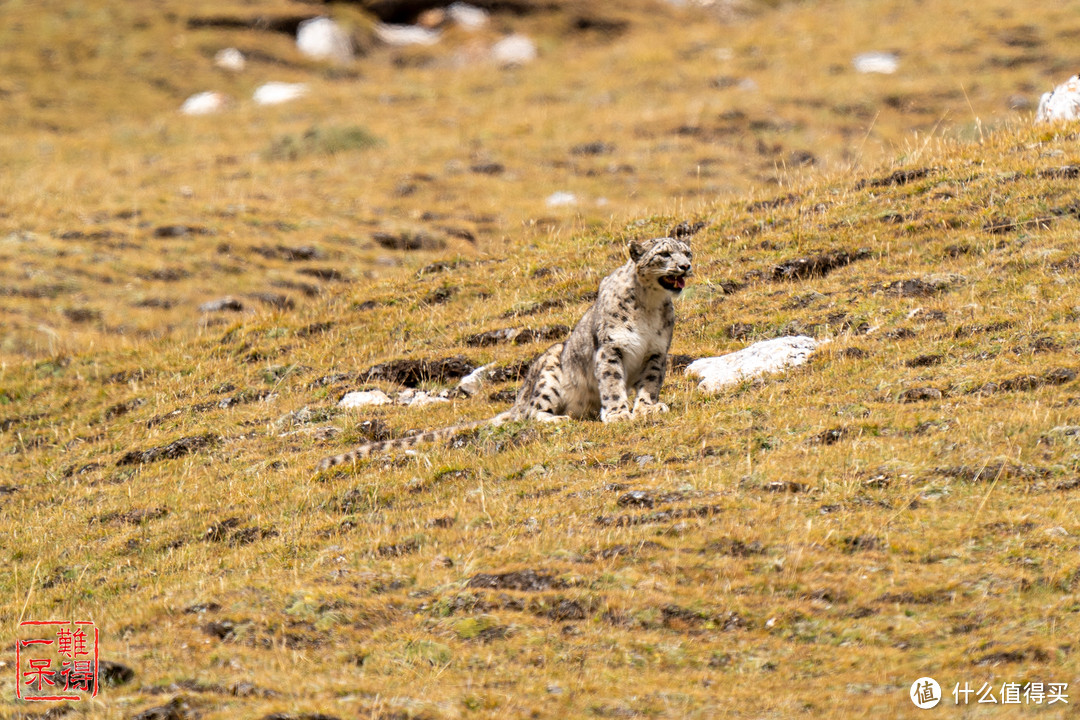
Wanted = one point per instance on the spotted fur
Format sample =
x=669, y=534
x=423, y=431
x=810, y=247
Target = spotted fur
x=613, y=363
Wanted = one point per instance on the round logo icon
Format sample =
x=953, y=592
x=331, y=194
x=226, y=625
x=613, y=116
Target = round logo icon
x=925, y=693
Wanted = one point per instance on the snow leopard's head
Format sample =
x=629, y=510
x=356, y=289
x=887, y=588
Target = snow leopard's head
x=664, y=261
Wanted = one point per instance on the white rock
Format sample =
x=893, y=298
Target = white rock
x=1061, y=104
x=876, y=62
x=323, y=39
x=273, y=93
x=471, y=383
x=221, y=305
x=561, y=199
x=467, y=16
x=230, y=59
x=364, y=398
x=204, y=103
x=399, y=35
x=418, y=398
x=514, y=50
x=758, y=359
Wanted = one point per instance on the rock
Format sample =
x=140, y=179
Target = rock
x=876, y=62
x=513, y=51
x=471, y=383
x=204, y=103
x=561, y=199
x=323, y=39
x=418, y=398
x=364, y=398
x=1062, y=104
x=402, y=35
x=275, y=93
x=467, y=16
x=230, y=59
x=758, y=359
x=221, y=305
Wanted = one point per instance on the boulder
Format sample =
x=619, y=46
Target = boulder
x=1062, y=104
x=323, y=39
x=364, y=398
x=761, y=358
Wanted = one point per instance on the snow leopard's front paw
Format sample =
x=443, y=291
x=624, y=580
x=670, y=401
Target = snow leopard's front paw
x=617, y=414
x=644, y=408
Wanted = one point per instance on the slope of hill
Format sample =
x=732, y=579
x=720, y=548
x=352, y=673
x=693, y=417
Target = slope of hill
x=905, y=505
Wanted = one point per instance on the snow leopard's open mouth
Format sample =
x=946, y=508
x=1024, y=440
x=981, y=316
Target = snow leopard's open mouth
x=674, y=283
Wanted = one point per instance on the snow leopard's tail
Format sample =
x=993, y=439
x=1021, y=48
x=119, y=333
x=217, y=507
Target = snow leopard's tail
x=372, y=448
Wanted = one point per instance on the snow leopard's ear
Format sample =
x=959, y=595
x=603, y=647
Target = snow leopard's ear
x=638, y=248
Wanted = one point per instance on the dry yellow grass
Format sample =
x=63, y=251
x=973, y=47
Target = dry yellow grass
x=807, y=545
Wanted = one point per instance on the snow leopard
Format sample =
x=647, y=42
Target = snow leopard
x=612, y=365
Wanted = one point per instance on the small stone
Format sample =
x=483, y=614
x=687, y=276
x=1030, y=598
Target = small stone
x=876, y=62
x=222, y=305
x=323, y=39
x=514, y=50
x=418, y=398
x=467, y=16
x=275, y=93
x=364, y=398
x=561, y=199
x=473, y=382
x=204, y=103
x=403, y=35
x=230, y=59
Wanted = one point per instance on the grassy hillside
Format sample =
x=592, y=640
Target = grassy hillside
x=904, y=505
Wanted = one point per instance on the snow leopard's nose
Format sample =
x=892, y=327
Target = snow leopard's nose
x=684, y=267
